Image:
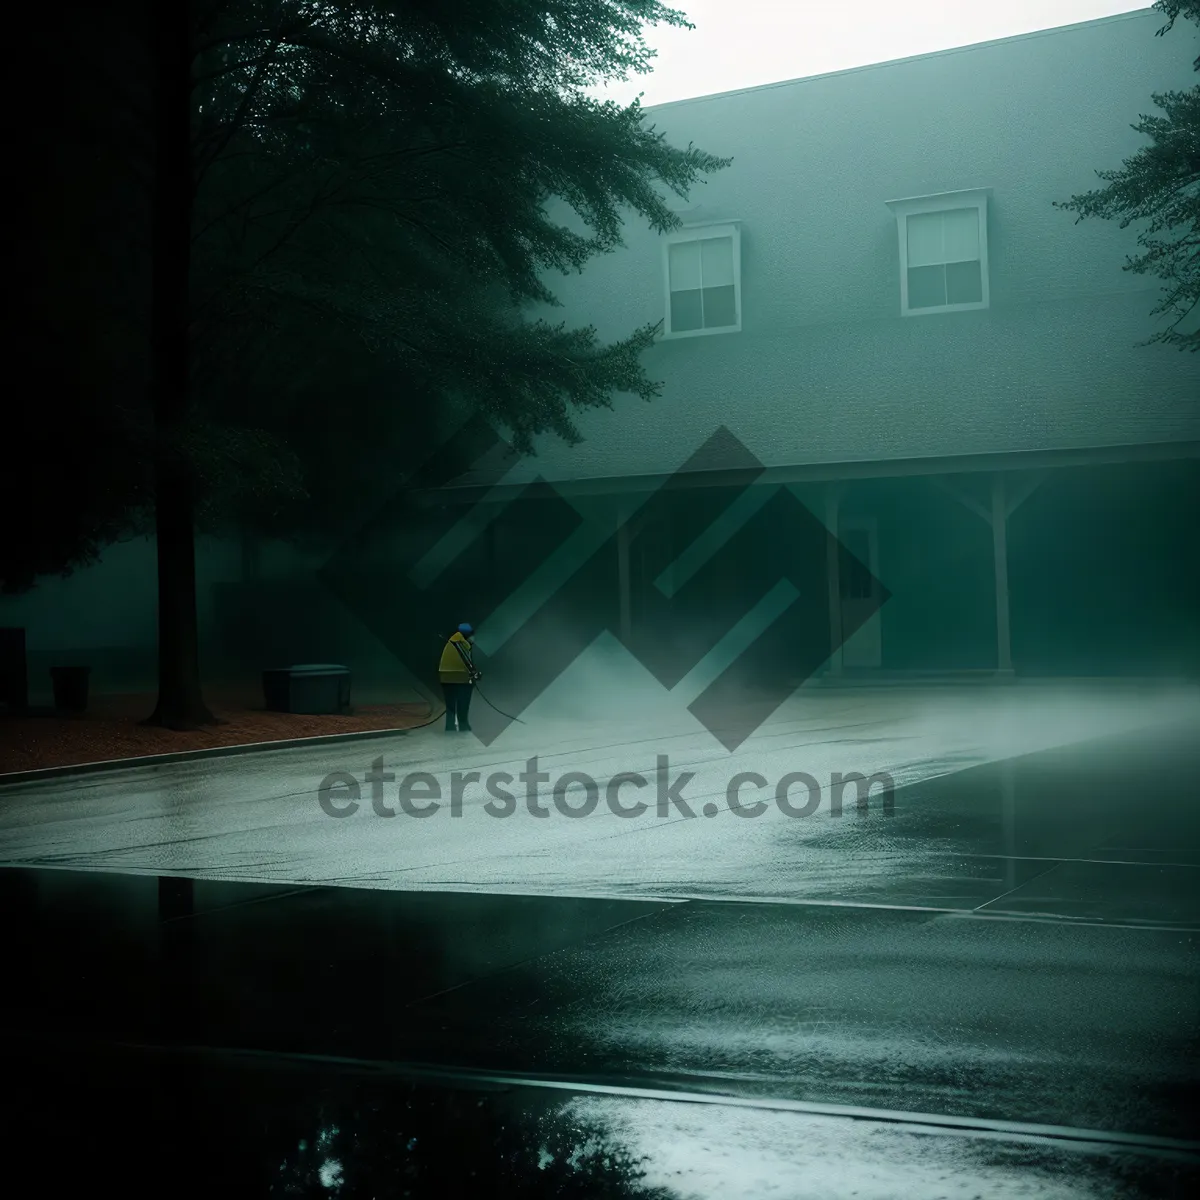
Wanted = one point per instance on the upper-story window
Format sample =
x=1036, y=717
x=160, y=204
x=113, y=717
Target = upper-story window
x=943, y=252
x=702, y=266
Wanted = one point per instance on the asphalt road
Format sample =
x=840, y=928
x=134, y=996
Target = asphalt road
x=258, y=818
x=993, y=991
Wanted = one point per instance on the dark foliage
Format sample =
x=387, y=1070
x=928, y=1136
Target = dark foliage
x=1160, y=185
x=371, y=238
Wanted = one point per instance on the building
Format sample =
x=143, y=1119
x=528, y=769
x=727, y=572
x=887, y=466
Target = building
x=878, y=300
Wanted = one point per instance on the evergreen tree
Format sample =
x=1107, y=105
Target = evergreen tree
x=346, y=229
x=1160, y=185
x=371, y=185
x=373, y=219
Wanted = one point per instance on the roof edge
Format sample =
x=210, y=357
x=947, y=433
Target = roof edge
x=896, y=62
x=1030, y=458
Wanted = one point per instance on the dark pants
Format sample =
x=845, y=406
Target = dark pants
x=458, y=700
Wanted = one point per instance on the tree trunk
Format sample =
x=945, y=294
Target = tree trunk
x=180, y=703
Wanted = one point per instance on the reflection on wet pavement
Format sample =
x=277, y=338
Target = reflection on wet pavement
x=176, y=1127
x=189, y=1125
x=869, y=1006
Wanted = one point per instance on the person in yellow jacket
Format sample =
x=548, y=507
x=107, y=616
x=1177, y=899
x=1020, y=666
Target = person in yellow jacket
x=458, y=674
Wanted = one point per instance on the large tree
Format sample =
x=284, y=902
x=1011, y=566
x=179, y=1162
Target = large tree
x=372, y=182
x=1160, y=185
x=373, y=216
x=350, y=225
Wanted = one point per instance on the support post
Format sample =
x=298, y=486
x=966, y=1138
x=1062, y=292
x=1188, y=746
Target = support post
x=623, y=585
x=833, y=568
x=669, y=538
x=1000, y=554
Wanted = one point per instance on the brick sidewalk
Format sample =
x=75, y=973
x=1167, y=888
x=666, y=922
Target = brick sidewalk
x=110, y=729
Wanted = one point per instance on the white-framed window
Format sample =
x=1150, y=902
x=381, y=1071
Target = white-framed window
x=943, y=252
x=702, y=270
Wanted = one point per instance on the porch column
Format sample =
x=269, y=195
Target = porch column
x=626, y=617
x=833, y=567
x=1000, y=555
x=669, y=536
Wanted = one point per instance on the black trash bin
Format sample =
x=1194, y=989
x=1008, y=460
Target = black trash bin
x=70, y=688
x=308, y=688
x=321, y=688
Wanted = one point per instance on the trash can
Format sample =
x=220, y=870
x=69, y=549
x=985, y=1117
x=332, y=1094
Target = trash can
x=320, y=688
x=70, y=688
x=311, y=688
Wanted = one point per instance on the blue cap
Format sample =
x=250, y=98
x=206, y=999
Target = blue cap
x=465, y=628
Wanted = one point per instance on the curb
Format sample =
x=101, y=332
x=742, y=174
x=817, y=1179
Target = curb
x=13, y=778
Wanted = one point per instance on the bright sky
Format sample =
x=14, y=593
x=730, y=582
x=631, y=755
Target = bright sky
x=743, y=43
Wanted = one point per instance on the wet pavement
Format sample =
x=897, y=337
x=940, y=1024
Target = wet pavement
x=259, y=818
x=1089, y=1026
x=994, y=991
x=187, y=1125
